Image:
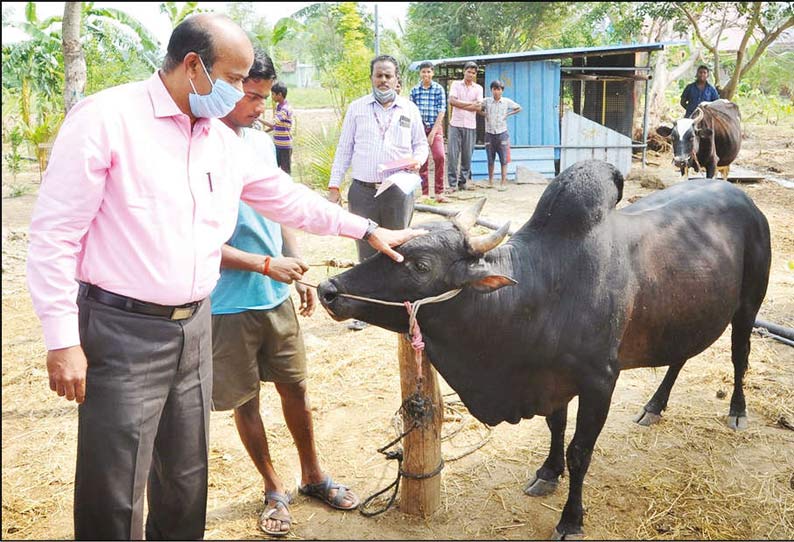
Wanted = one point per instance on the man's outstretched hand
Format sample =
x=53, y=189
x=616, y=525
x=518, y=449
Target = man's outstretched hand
x=383, y=239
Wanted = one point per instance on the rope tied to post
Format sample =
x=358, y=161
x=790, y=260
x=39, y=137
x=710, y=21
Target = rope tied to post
x=419, y=409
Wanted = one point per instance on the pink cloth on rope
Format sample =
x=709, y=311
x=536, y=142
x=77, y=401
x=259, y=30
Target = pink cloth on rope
x=416, y=339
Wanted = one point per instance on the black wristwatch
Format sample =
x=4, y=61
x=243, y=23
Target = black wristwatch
x=371, y=227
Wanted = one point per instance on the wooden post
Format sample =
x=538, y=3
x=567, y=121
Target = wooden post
x=422, y=446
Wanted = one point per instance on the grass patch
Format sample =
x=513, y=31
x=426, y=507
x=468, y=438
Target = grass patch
x=309, y=98
x=16, y=190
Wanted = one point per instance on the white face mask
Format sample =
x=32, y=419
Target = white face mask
x=218, y=103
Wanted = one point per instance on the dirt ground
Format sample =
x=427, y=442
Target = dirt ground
x=687, y=477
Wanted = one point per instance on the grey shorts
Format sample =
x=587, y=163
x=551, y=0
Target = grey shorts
x=497, y=144
x=253, y=346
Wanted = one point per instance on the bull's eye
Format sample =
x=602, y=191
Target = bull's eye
x=422, y=267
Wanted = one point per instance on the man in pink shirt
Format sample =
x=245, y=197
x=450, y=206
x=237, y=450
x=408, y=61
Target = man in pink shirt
x=141, y=192
x=466, y=98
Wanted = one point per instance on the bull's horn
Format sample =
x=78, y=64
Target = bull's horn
x=698, y=115
x=466, y=218
x=483, y=243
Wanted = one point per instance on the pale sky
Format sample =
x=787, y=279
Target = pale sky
x=157, y=23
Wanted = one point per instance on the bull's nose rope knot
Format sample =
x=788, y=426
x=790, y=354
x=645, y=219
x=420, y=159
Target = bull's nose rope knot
x=416, y=337
x=413, y=328
x=413, y=308
x=417, y=343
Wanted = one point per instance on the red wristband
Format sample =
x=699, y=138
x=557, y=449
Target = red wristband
x=266, y=268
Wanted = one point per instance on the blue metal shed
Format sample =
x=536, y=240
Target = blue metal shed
x=534, y=80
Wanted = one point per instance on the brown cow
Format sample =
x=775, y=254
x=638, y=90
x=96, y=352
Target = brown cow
x=710, y=139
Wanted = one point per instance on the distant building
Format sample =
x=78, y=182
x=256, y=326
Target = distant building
x=577, y=103
x=297, y=74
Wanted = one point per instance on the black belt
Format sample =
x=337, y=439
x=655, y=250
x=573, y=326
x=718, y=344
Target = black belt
x=365, y=183
x=179, y=312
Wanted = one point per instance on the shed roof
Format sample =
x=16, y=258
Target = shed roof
x=545, y=54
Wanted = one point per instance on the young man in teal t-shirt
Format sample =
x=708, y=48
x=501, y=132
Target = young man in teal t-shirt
x=255, y=331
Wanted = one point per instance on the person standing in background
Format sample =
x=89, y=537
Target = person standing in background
x=379, y=128
x=496, y=108
x=431, y=100
x=465, y=97
x=698, y=91
x=282, y=127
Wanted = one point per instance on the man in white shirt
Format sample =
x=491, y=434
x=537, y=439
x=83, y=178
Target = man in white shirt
x=496, y=108
x=379, y=128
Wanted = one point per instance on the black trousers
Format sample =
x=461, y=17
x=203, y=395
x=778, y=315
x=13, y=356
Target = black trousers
x=284, y=159
x=145, y=420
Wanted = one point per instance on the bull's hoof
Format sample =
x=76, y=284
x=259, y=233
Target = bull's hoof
x=557, y=535
x=737, y=423
x=538, y=487
x=647, y=418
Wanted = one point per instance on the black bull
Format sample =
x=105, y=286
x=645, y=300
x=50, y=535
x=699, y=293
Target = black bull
x=579, y=293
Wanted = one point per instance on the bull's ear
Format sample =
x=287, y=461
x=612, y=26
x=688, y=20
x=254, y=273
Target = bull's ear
x=664, y=131
x=479, y=274
x=492, y=282
x=704, y=132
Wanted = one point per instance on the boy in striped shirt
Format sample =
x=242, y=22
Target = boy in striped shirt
x=282, y=127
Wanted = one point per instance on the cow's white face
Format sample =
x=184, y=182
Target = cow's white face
x=684, y=141
x=685, y=136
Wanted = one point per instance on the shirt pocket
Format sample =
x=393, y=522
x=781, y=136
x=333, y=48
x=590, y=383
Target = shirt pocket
x=401, y=137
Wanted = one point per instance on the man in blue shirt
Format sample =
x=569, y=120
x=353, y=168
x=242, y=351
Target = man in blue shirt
x=699, y=91
x=255, y=331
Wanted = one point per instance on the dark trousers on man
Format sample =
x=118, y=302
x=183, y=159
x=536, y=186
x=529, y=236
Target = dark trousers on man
x=393, y=209
x=461, y=147
x=284, y=159
x=145, y=419
x=437, y=152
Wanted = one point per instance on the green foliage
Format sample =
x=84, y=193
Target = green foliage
x=315, y=151
x=16, y=190
x=772, y=74
x=592, y=24
x=14, y=158
x=444, y=29
x=335, y=37
x=257, y=27
x=176, y=14
x=118, y=49
x=348, y=77
x=107, y=67
x=754, y=106
x=757, y=22
x=757, y=107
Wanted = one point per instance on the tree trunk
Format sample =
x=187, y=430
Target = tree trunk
x=74, y=68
